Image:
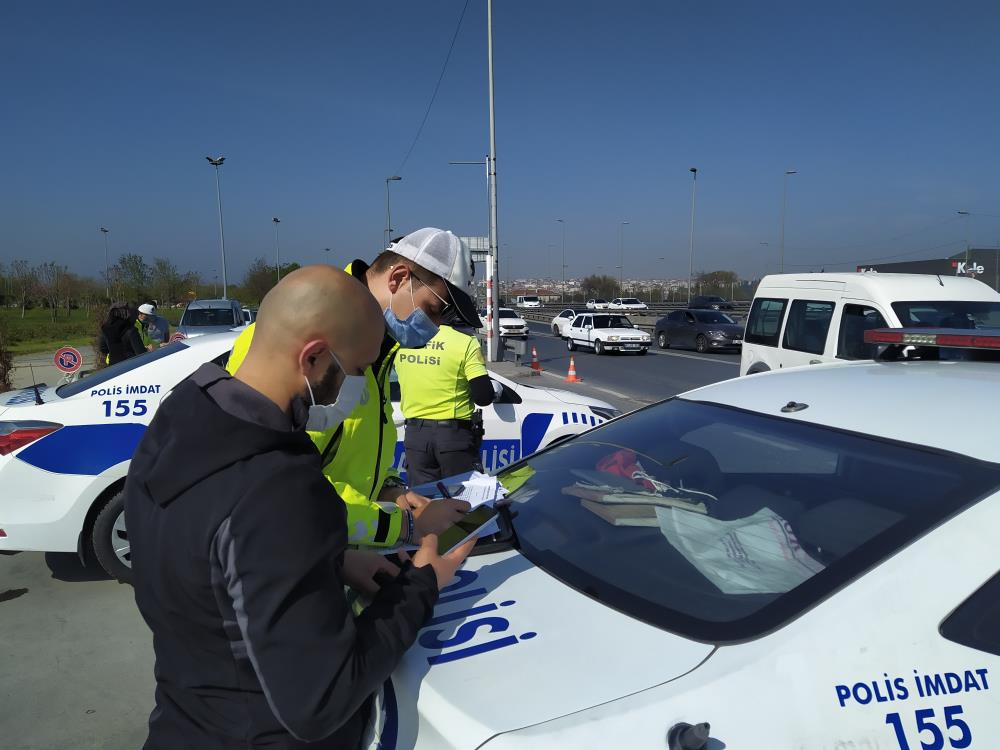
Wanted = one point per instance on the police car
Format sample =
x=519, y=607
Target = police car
x=65, y=451
x=803, y=559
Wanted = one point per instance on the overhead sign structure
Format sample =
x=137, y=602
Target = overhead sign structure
x=479, y=247
x=68, y=359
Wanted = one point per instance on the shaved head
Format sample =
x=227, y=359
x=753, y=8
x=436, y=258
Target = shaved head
x=310, y=311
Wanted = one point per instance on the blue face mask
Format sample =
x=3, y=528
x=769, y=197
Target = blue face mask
x=415, y=331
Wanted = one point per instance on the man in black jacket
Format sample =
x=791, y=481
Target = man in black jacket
x=238, y=542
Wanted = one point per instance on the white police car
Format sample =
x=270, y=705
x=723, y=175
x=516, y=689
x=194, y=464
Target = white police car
x=63, y=461
x=803, y=559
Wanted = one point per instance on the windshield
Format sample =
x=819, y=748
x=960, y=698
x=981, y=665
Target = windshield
x=508, y=314
x=611, y=321
x=948, y=314
x=208, y=316
x=631, y=301
x=113, y=371
x=712, y=316
x=529, y=299
x=722, y=524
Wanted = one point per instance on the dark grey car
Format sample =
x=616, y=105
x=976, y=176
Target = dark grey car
x=699, y=329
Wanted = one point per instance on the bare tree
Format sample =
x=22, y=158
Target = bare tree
x=47, y=275
x=166, y=281
x=25, y=282
x=135, y=275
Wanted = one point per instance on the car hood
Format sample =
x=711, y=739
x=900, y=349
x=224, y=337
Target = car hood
x=534, y=392
x=509, y=646
x=620, y=331
x=26, y=396
x=195, y=331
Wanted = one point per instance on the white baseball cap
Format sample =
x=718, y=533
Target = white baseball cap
x=147, y=309
x=443, y=254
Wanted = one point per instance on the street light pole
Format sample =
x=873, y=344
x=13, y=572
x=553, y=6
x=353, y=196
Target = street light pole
x=277, y=258
x=388, y=215
x=492, y=313
x=621, y=259
x=694, y=189
x=217, y=162
x=107, y=265
x=563, y=289
x=784, y=205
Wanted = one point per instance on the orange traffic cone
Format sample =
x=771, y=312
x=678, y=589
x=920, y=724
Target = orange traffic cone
x=571, y=375
x=536, y=368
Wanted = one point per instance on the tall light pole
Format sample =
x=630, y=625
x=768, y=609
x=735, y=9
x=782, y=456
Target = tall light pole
x=107, y=265
x=563, y=288
x=277, y=260
x=621, y=259
x=217, y=162
x=784, y=205
x=388, y=214
x=492, y=313
x=694, y=192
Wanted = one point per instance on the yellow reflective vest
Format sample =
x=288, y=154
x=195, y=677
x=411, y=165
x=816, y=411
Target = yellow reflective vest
x=358, y=455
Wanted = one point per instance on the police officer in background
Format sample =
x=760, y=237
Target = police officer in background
x=439, y=385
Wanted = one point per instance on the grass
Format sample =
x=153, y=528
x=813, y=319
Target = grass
x=37, y=332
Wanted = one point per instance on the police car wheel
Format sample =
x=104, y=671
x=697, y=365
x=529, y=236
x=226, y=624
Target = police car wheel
x=110, y=540
x=598, y=347
x=570, y=345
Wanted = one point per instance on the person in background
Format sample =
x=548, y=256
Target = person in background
x=240, y=549
x=119, y=339
x=155, y=329
x=416, y=281
x=440, y=386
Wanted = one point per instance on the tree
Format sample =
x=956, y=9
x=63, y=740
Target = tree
x=135, y=275
x=25, y=282
x=599, y=286
x=50, y=282
x=166, y=281
x=719, y=283
x=6, y=360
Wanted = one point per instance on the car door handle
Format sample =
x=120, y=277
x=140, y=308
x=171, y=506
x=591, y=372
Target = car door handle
x=815, y=361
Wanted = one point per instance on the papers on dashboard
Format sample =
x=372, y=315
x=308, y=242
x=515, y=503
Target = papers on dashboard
x=474, y=487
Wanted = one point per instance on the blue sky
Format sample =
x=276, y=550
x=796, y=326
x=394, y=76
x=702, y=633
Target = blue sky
x=887, y=110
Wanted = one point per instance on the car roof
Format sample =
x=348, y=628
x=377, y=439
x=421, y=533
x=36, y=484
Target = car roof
x=203, y=304
x=943, y=405
x=901, y=286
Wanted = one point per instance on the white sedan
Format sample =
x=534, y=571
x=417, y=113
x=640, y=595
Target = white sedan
x=626, y=303
x=597, y=304
x=802, y=559
x=65, y=451
x=606, y=332
x=563, y=319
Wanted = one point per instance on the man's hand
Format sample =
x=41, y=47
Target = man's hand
x=444, y=566
x=360, y=568
x=435, y=517
x=410, y=500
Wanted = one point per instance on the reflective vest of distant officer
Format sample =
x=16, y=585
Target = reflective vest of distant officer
x=358, y=452
x=438, y=385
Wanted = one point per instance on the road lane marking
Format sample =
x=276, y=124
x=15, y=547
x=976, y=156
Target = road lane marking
x=616, y=394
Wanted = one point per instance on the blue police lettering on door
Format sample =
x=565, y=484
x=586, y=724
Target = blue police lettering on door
x=488, y=620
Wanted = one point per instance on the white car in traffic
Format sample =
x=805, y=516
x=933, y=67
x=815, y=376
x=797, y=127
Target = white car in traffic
x=802, y=559
x=65, y=451
x=512, y=325
x=597, y=304
x=626, y=303
x=563, y=319
x=606, y=332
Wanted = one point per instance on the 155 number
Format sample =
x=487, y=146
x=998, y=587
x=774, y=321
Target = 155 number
x=123, y=407
x=925, y=723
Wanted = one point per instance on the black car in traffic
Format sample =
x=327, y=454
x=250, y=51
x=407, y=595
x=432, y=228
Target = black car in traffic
x=709, y=302
x=703, y=330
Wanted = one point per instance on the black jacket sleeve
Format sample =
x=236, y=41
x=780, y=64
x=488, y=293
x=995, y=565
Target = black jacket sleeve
x=132, y=341
x=281, y=553
x=481, y=389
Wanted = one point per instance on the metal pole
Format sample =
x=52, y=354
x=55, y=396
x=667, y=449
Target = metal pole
x=492, y=313
x=784, y=205
x=222, y=234
x=562, y=291
x=107, y=265
x=694, y=189
x=277, y=257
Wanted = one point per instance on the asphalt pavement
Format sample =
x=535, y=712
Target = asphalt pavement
x=630, y=378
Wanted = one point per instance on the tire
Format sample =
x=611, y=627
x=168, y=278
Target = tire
x=555, y=331
x=642, y=352
x=662, y=340
x=570, y=345
x=598, y=347
x=701, y=344
x=758, y=368
x=110, y=540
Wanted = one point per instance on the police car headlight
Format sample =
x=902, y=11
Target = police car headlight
x=613, y=338
x=605, y=412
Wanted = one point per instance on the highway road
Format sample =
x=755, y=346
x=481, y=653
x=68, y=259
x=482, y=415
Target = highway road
x=632, y=378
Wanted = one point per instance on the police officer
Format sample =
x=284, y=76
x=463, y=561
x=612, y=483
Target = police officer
x=438, y=386
x=154, y=329
x=417, y=281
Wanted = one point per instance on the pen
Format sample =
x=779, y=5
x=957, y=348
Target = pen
x=444, y=490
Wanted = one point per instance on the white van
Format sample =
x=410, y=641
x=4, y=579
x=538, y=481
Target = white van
x=530, y=300
x=810, y=318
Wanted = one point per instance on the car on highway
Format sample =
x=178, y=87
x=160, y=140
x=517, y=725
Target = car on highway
x=802, y=559
x=626, y=303
x=563, y=319
x=204, y=316
x=65, y=450
x=511, y=324
x=606, y=332
x=702, y=330
x=811, y=318
x=709, y=302
x=597, y=304
x=528, y=300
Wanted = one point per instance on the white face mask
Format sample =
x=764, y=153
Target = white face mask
x=326, y=417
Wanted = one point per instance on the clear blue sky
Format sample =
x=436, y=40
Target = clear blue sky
x=888, y=111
